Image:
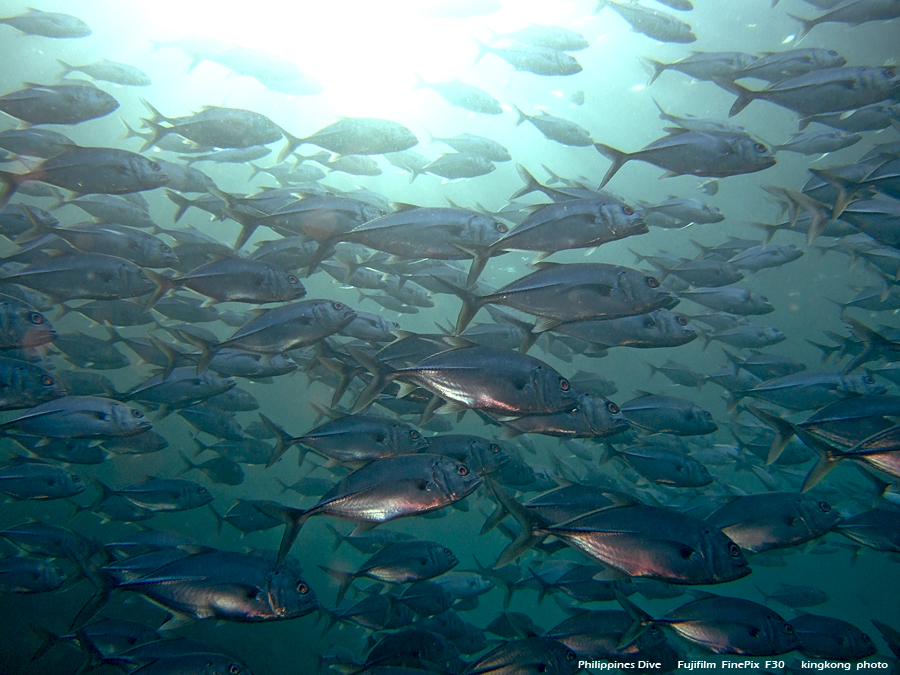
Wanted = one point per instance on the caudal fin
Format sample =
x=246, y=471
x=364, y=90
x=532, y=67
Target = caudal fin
x=617, y=157
x=9, y=183
x=293, y=520
x=283, y=440
x=658, y=69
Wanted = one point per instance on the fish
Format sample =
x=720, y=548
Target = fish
x=640, y=541
x=774, y=520
x=109, y=71
x=537, y=60
x=48, y=24
x=724, y=625
x=715, y=154
x=386, y=489
x=90, y=171
x=482, y=378
x=557, y=129
x=463, y=95
x=652, y=23
x=399, y=563
x=58, y=104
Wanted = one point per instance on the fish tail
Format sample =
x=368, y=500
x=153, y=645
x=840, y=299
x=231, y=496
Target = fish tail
x=420, y=83
x=201, y=447
x=67, y=68
x=784, y=431
x=163, y=283
x=48, y=640
x=471, y=303
x=208, y=349
x=482, y=50
x=601, y=4
x=9, y=183
x=345, y=579
x=129, y=132
x=91, y=608
x=338, y=537
x=522, y=116
x=182, y=202
x=157, y=131
x=219, y=519
x=531, y=183
x=641, y=620
x=381, y=376
x=293, y=520
x=494, y=519
x=283, y=440
x=806, y=25
x=658, y=68
x=527, y=538
x=326, y=248
x=744, y=96
x=291, y=143
x=617, y=157
x=188, y=464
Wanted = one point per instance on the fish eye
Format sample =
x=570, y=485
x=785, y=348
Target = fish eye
x=825, y=507
x=76, y=479
x=166, y=248
x=761, y=148
x=137, y=413
x=613, y=408
x=414, y=434
x=292, y=279
x=234, y=669
x=734, y=550
x=501, y=228
x=155, y=166
x=570, y=656
x=338, y=305
x=201, y=490
x=789, y=629
x=36, y=318
x=302, y=588
x=681, y=321
x=448, y=553
x=708, y=415
x=495, y=448
x=462, y=471
x=652, y=282
x=563, y=384
x=47, y=381
x=890, y=72
x=627, y=210
x=868, y=379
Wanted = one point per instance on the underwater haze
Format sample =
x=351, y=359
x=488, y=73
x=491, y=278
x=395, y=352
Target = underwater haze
x=449, y=337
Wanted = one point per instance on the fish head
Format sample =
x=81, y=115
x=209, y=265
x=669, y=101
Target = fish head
x=289, y=596
x=643, y=291
x=455, y=479
x=826, y=58
x=702, y=420
x=148, y=171
x=779, y=635
x=724, y=560
x=752, y=154
x=442, y=559
x=759, y=304
x=210, y=379
x=604, y=417
x=161, y=253
x=484, y=230
x=552, y=391
x=406, y=440
x=30, y=327
x=486, y=456
x=861, y=385
x=675, y=326
x=817, y=514
x=129, y=421
x=284, y=285
x=621, y=219
x=333, y=314
x=884, y=78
